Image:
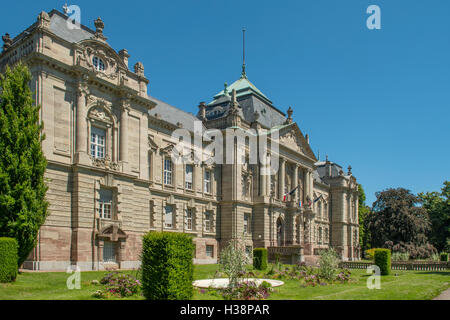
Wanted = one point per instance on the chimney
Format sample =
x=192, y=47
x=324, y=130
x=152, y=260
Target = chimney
x=327, y=168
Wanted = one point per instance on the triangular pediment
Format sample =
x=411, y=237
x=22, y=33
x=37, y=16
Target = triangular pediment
x=292, y=137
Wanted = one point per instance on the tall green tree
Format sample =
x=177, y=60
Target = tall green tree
x=398, y=223
x=438, y=207
x=363, y=211
x=23, y=207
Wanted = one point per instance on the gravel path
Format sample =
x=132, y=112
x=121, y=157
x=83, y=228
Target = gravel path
x=444, y=295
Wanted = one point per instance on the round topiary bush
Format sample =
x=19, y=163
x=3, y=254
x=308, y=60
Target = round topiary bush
x=167, y=266
x=444, y=256
x=8, y=259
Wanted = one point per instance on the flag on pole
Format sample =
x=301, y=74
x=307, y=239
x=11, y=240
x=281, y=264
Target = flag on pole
x=290, y=193
x=317, y=199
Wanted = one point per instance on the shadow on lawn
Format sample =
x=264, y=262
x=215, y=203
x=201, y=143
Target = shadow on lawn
x=441, y=273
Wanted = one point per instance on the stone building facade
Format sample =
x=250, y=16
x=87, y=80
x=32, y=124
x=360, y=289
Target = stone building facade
x=111, y=177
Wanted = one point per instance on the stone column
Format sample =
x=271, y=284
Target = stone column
x=124, y=133
x=307, y=183
x=295, y=185
x=263, y=180
x=282, y=176
x=81, y=122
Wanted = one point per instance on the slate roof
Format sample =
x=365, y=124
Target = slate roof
x=335, y=169
x=251, y=100
x=172, y=114
x=316, y=177
x=243, y=86
x=58, y=25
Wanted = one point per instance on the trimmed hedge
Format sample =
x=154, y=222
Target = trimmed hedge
x=444, y=256
x=8, y=259
x=167, y=266
x=260, y=258
x=382, y=258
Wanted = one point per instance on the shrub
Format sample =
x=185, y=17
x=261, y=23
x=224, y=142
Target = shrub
x=260, y=258
x=382, y=259
x=424, y=251
x=444, y=256
x=247, y=290
x=369, y=253
x=435, y=257
x=167, y=266
x=118, y=284
x=400, y=256
x=8, y=259
x=328, y=264
x=344, y=276
x=233, y=261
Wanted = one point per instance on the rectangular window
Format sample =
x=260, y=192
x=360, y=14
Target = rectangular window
x=168, y=217
x=209, y=251
x=105, y=204
x=207, y=182
x=98, y=142
x=189, y=219
x=149, y=167
x=168, y=171
x=246, y=223
x=208, y=221
x=188, y=176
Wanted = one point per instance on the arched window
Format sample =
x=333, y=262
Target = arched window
x=98, y=63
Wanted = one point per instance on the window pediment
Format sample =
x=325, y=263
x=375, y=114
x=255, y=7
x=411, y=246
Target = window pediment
x=112, y=233
x=100, y=114
x=92, y=51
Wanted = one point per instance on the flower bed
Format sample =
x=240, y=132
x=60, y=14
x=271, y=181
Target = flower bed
x=118, y=285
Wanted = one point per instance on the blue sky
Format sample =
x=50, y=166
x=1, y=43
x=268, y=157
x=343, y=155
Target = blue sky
x=375, y=99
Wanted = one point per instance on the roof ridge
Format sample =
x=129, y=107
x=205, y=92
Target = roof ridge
x=62, y=15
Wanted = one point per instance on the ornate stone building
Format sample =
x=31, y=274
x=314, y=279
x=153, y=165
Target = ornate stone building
x=111, y=178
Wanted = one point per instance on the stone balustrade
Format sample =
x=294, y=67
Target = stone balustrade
x=286, y=254
x=401, y=265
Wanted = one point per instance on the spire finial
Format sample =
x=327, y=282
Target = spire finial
x=243, y=74
x=225, y=90
x=66, y=9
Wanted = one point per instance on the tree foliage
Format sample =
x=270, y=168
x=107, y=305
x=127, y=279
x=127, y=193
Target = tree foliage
x=22, y=164
x=363, y=212
x=398, y=223
x=438, y=206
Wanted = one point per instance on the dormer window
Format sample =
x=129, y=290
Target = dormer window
x=98, y=63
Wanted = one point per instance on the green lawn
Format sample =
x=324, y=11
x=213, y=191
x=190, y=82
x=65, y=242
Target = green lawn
x=407, y=285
